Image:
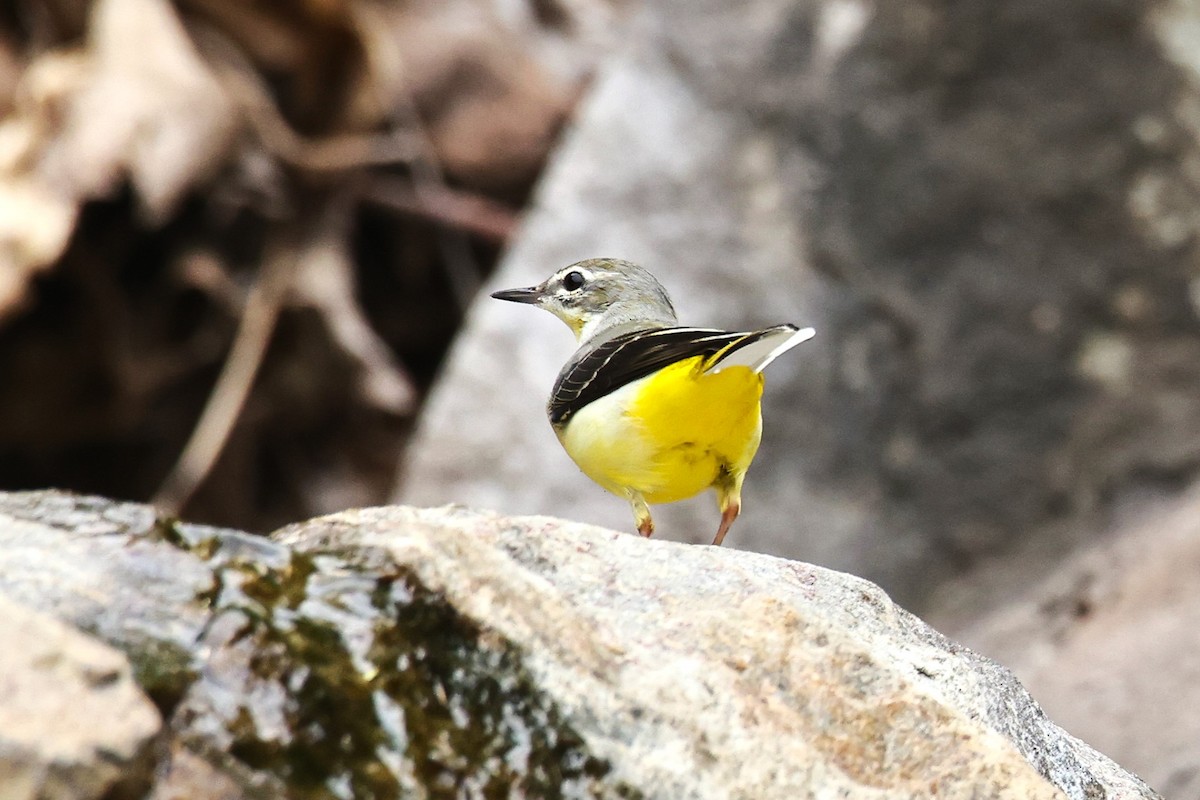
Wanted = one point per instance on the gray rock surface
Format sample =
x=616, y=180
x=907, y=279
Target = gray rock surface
x=704, y=672
x=73, y=723
x=449, y=653
x=1110, y=645
x=985, y=209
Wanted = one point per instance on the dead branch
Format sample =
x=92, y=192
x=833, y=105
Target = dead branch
x=229, y=394
x=473, y=213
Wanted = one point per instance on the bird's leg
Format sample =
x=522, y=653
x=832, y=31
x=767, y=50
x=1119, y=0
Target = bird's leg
x=729, y=496
x=729, y=512
x=641, y=514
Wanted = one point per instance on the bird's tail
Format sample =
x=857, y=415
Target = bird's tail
x=760, y=348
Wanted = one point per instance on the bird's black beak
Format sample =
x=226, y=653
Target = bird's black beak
x=530, y=294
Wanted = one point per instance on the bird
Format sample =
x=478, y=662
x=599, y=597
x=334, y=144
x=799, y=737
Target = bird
x=650, y=410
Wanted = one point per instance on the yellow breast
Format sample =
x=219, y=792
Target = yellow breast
x=669, y=435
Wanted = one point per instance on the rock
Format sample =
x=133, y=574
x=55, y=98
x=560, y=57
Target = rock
x=432, y=653
x=1111, y=644
x=56, y=684
x=766, y=677
x=98, y=566
x=981, y=209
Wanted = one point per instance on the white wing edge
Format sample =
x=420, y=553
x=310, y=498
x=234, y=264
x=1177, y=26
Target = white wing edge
x=759, y=355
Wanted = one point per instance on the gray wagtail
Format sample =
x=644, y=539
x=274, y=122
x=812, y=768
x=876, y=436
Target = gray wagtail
x=652, y=411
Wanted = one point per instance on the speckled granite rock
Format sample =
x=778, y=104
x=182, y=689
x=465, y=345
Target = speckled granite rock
x=73, y=723
x=1111, y=644
x=449, y=653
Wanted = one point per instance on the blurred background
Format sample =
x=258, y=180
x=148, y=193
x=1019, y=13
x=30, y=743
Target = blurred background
x=241, y=245
x=306, y=195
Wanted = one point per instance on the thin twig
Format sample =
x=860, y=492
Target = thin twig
x=476, y=214
x=229, y=395
x=336, y=153
x=406, y=143
x=383, y=53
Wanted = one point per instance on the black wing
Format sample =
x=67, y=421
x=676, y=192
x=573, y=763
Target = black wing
x=625, y=358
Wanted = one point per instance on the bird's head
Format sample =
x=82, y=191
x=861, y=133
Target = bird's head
x=598, y=295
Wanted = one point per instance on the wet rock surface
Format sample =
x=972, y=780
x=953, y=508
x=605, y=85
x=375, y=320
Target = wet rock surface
x=397, y=652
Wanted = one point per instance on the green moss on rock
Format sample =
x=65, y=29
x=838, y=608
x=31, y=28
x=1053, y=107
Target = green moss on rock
x=361, y=683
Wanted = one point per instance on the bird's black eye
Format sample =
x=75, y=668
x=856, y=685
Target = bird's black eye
x=573, y=280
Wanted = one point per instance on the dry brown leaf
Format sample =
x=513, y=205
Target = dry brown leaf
x=325, y=282
x=147, y=108
x=134, y=102
x=34, y=228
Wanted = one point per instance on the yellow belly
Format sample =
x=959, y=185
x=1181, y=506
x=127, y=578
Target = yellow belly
x=669, y=435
